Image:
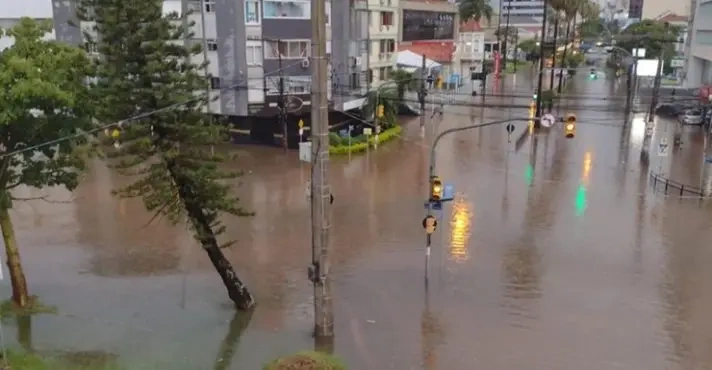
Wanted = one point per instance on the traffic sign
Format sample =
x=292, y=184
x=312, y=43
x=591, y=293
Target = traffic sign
x=367, y=131
x=430, y=223
x=301, y=123
x=510, y=128
x=301, y=131
x=663, y=148
x=548, y=120
x=305, y=151
x=448, y=193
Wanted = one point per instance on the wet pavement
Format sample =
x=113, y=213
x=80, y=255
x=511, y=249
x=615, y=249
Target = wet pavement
x=554, y=255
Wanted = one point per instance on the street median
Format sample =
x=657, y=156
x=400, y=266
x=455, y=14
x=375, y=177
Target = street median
x=359, y=144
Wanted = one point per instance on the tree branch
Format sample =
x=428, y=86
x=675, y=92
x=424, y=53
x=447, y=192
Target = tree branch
x=42, y=198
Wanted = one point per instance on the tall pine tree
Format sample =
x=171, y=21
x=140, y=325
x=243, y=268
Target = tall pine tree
x=144, y=69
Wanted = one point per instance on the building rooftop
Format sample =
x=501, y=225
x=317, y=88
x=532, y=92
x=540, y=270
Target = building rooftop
x=439, y=51
x=471, y=26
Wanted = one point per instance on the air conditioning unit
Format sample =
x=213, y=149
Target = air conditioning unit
x=305, y=63
x=355, y=61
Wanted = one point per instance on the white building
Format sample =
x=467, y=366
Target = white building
x=699, y=60
x=383, y=26
x=530, y=8
x=470, y=48
x=12, y=10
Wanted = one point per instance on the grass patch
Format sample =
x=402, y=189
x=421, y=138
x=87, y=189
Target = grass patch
x=309, y=360
x=510, y=66
x=9, y=308
x=32, y=361
x=361, y=146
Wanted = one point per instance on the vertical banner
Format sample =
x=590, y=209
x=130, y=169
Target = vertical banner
x=497, y=64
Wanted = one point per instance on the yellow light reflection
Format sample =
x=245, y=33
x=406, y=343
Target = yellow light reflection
x=532, y=112
x=460, y=229
x=587, y=160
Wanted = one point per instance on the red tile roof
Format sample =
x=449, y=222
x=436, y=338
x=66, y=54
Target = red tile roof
x=672, y=17
x=471, y=26
x=438, y=51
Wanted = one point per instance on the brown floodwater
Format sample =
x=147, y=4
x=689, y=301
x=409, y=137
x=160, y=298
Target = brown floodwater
x=555, y=254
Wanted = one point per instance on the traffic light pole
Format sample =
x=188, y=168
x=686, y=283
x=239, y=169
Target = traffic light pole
x=431, y=173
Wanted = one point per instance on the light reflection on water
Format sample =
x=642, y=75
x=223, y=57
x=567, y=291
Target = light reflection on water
x=460, y=229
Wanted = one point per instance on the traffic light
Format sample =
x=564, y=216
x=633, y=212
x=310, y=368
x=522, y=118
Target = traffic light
x=115, y=135
x=380, y=111
x=592, y=75
x=534, y=96
x=436, y=189
x=570, y=125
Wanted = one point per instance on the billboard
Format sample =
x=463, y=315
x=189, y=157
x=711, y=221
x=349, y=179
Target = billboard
x=422, y=25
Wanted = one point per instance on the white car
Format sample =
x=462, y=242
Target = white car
x=691, y=117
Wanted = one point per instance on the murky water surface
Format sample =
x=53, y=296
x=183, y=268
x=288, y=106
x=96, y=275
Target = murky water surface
x=554, y=255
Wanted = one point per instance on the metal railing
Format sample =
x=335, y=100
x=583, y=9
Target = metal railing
x=669, y=187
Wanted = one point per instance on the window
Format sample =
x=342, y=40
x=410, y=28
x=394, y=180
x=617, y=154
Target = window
x=287, y=49
x=328, y=13
x=211, y=45
x=384, y=72
x=286, y=9
x=386, y=18
x=214, y=82
x=209, y=5
x=292, y=85
x=91, y=47
x=254, y=54
x=387, y=46
x=252, y=12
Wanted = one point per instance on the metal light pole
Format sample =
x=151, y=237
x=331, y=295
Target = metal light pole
x=431, y=172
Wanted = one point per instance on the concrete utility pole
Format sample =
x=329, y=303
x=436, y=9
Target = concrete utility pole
x=542, y=41
x=320, y=188
x=282, y=104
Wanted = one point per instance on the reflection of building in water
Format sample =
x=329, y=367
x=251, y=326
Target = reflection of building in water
x=460, y=229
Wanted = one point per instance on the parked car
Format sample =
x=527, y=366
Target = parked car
x=691, y=117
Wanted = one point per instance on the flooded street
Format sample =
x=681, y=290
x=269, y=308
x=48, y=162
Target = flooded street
x=555, y=255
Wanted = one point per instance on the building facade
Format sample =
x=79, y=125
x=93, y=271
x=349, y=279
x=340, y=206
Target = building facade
x=653, y=9
x=698, y=71
x=635, y=9
x=249, y=45
x=529, y=8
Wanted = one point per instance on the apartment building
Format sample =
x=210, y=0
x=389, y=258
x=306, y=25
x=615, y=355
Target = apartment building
x=471, y=48
x=653, y=9
x=247, y=44
x=699, y=60
x=431, y=29
x=383, y=26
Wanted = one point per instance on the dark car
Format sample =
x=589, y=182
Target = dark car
x=668, y=110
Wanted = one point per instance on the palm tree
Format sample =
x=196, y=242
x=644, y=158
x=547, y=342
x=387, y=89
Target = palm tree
x=557, y=7
x=474, y=10
x=404, y=81
x=387, y=97
x=570, y=8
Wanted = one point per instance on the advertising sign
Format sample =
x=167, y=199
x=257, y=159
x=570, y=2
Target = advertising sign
x=422, y=25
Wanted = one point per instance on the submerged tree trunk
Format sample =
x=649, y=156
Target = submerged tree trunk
x=20, y=295
x=236, y=289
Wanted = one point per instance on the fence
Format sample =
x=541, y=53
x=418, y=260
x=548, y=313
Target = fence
x=670, y=187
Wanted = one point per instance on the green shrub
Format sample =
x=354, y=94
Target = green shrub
x=306, y=361
x=334, y=139
x=362, y=146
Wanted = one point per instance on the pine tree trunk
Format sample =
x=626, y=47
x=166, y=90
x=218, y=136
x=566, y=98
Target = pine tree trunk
x=236, y=289
x=20, y=295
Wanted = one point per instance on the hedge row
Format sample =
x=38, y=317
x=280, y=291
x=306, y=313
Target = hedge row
x=359, y=147
x=309, y=360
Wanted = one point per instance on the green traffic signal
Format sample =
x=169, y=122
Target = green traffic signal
x=581, y=203
x=529, y=175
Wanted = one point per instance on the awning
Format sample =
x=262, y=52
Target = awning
x=408, y=58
